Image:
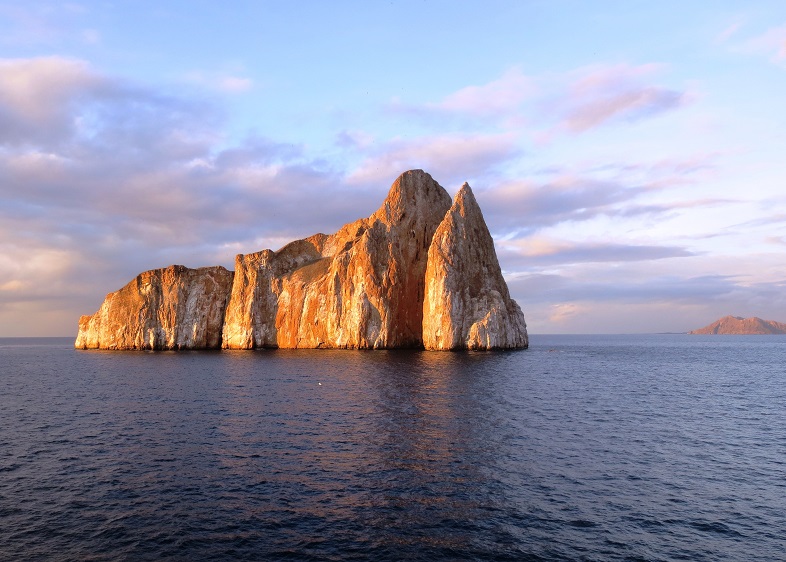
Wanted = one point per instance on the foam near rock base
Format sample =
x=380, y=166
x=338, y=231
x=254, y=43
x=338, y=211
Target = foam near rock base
x=421, y=271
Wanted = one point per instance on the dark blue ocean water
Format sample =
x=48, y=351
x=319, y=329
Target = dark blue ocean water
x=661, y=447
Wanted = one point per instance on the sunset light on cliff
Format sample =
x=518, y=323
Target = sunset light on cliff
x=628, y=157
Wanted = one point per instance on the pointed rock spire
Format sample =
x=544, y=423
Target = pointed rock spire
x=467, y=304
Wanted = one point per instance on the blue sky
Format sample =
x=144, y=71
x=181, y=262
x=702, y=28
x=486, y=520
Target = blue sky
x=628, y=156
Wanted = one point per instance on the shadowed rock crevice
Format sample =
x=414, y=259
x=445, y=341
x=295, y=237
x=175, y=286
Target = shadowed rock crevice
x=383, y=282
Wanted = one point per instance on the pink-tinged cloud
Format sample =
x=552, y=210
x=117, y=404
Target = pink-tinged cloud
x=235, y=84
x=574, y=102
x=672, y=288
x=613, y=302
x=354, y=139
x=38, y=97
x=91, y=36
x=61, y=105
x=526, y=206
x=501, y=99
x=500, y=96
x=101, y=179
x=770, y=43
x=630, y=105
x=448, y=158
x=729, y=32
x=524, y=254
x=614, y=93
x=228, y=83
x=520, y=208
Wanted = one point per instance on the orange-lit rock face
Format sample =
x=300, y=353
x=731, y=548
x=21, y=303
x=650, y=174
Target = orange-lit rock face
x=359, y=288
x=467, y=304
x=362, y=287
x=171, y=308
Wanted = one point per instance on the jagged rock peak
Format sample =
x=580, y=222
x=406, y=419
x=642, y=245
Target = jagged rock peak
x=465, y=202
x=413, y=191
x=467, y=304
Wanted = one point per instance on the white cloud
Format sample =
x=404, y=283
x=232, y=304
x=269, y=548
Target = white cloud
x=99, y=181
x=538, y=251
x=496, y=98
x=38, y=97
x=632, y=104
x=452, y=158
x=729, y=31
x=771, y=43
x=235, y=84
x=572, y=102
x=655, y=295
x=91, y=36
x=562, y=314
x=354, y=139
x=602, y=94
x=228, y=83
x=617, y=190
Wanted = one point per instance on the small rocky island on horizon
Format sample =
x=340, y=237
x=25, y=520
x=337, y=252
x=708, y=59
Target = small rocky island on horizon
x=421, y=272
x=736, y=325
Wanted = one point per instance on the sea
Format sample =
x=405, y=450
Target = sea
x=633, y=447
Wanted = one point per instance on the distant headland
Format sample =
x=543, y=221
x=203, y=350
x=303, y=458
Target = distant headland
x=421, y=272
x=736, y=325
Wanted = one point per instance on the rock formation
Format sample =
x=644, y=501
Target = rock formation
x=736, y=325
x=418, y=272
x=467, y=304
x=171, y=308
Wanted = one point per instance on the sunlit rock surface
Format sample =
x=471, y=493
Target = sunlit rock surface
x=171, y=308
x=363, y=287
x=467, y=304
x=736, y=325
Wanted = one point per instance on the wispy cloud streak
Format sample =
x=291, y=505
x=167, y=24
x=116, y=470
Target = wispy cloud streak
x=600, y=95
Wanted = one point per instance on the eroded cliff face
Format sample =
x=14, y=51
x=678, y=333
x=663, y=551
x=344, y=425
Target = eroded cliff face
x=171, y=308
x=359, y=288
x=250, y=320
x=467, y=304
x=363, y=287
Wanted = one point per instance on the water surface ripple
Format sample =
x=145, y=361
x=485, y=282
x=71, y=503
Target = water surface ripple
x=580, y=448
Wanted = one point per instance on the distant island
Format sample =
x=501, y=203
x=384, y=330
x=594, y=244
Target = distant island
x=421, y=272
x=736, y=325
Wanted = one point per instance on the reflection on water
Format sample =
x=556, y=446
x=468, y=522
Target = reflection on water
x=604, y=448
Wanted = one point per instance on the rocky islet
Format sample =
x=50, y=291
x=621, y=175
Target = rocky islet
x=738, y=326
x=420, y=272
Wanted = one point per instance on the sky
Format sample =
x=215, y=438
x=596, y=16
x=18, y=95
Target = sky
x=628, y=156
